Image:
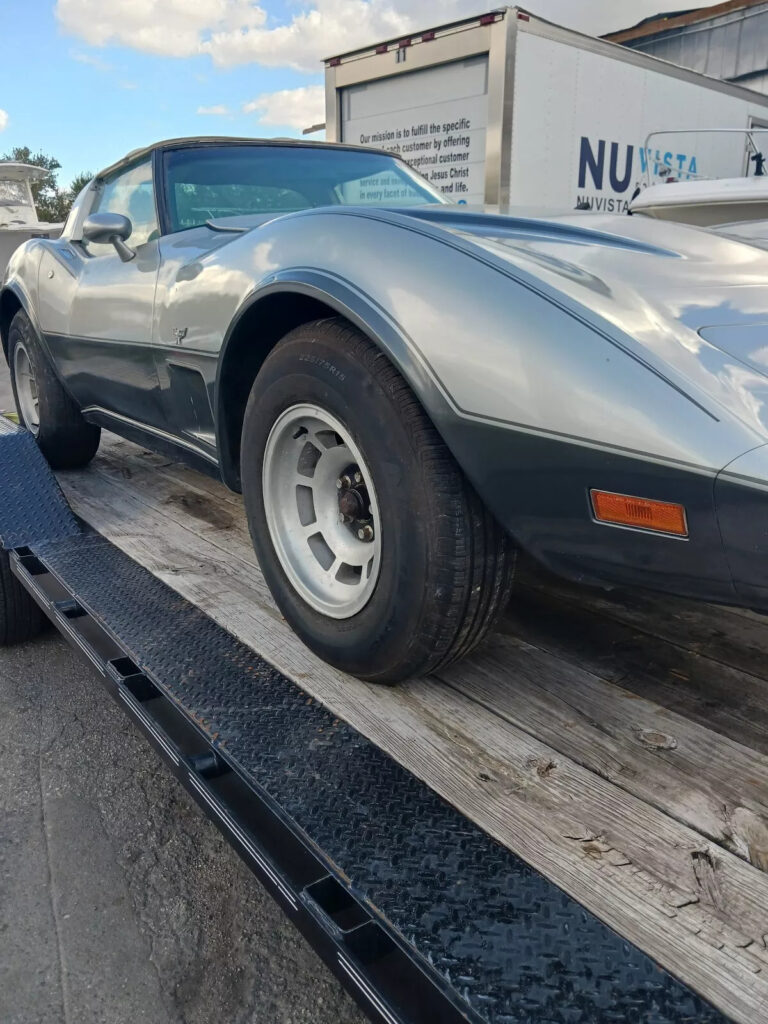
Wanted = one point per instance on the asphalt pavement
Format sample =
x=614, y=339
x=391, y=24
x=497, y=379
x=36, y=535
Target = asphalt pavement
x=119, y=901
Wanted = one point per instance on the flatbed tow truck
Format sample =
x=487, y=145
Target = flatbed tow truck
x=570, y=826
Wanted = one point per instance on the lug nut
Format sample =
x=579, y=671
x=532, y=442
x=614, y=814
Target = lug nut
x=342, y=517
x=358, y=478
x=339, y=484
x=365, y=533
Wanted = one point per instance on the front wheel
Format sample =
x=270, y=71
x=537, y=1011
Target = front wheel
x=376, y=548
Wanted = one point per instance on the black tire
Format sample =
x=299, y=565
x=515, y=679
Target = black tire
x=447, y=566
x=64, y=437
x=20, y=617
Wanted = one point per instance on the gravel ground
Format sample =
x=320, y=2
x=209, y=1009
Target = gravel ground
x=119, y=901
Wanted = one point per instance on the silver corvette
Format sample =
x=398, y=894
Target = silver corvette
x=407, y=391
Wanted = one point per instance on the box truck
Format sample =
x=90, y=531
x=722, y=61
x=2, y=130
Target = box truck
x=508, y=109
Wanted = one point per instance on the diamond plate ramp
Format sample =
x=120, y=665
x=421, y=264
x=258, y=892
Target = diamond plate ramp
x=513, y=946
x=497, y=941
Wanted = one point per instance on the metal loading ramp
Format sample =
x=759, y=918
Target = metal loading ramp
x=419, y=911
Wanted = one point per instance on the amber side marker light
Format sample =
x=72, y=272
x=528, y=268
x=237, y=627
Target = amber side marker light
x=640, y=513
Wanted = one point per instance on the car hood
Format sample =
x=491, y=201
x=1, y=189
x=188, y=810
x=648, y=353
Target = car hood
x=691, y=303
x=694, y=276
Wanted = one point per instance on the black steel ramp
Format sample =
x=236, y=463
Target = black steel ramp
x=424, y=918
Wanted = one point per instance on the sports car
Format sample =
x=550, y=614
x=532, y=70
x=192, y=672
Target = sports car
x=405, y=391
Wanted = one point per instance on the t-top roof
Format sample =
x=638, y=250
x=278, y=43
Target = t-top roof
x=12, y=171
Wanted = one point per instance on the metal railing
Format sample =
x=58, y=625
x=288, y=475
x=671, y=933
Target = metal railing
x=751, y=150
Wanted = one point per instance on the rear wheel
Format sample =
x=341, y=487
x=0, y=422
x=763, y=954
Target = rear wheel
x=376, y=548
x=44, y=407
x=20, y=617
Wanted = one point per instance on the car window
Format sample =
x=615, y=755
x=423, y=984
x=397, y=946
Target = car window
x=195, y=203
x=206, y=182
x=130, y=193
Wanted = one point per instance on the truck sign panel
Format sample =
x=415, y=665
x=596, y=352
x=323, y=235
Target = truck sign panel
x=508, y=109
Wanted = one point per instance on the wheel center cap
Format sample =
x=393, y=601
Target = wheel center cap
x=351, y=504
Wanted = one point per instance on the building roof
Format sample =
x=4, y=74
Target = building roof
x=671, y=20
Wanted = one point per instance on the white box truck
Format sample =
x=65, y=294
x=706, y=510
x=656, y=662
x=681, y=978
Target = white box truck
x=508, y=109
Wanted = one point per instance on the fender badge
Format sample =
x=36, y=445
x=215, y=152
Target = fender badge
x=179, y=334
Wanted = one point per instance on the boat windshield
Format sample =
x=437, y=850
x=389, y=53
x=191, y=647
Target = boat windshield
x=13, y=193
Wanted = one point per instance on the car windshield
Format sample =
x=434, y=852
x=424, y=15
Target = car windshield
x=233, y=181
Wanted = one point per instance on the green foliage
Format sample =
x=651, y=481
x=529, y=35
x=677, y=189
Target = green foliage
x=52, y=203
x=78, y=183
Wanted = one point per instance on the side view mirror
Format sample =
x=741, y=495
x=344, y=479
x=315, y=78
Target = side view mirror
x=113, y=228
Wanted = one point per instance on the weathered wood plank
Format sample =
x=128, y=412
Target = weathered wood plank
x=696, y=908
x=713, y=631
x=140, y=464
x=717, y=696
x=716, y=786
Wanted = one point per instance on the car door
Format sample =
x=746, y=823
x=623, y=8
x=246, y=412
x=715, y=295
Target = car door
x=106, y=355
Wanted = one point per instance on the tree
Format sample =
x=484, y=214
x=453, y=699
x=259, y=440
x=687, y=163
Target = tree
x=52, y=203
x=78, y=183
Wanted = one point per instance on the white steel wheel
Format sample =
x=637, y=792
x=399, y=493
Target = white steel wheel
x=321, y=511
x=26, y=388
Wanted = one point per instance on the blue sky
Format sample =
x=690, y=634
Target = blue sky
x=88, y=80
x=89, y=105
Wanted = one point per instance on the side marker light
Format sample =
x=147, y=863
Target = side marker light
x=640, y=513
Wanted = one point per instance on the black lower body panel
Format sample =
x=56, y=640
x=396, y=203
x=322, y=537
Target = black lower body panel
x=422, y=915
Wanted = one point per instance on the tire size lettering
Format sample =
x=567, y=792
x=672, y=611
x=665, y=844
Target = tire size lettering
x=322, y=364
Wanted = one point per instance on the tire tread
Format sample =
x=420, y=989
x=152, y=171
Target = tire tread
x=477, y=561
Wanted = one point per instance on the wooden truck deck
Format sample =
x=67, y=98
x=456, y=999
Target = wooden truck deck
x=616, y=741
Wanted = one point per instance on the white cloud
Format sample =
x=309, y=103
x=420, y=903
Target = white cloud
x=239, y=31
x=293, y=108
x=236, y=31
x=327, y=27
x=171, y=28
x=3, y=120
x=92, y=61
x=129, y=85
x=218, y=110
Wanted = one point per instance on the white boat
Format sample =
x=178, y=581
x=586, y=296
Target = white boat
x=707, y=201
x=18, y=216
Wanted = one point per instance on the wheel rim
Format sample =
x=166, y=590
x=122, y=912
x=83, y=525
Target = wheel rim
x=321, y=511
x=26, y=388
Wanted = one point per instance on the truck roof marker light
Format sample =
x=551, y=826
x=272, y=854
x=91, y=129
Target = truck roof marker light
x=427, y=37
x=334, y=62
x=404, y=42
x=639, y=513
x=522, y=16
x=382, y=48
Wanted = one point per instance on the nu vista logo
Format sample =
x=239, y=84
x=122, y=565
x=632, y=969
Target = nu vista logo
x=615, y=166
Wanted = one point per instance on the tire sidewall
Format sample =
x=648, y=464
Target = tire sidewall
x=21, y=331
x=310, y=370
x=48, y=386
x=64, y=437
